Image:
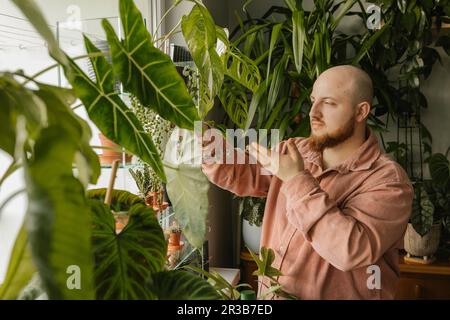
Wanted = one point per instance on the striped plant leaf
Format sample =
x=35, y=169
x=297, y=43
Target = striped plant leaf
x=147, y=72
x=298, y=38
x=107, y=110
x=124, y=261
x=180, y=285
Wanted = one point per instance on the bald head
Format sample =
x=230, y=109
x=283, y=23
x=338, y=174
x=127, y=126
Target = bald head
x=359, y=85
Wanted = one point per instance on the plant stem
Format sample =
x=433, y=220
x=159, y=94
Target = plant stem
x=164, y=16
x=172, y=32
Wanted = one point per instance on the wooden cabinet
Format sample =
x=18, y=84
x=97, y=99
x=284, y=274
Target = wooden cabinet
x=424, y=281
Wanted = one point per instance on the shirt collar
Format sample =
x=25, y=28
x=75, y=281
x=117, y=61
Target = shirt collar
x=361, y=159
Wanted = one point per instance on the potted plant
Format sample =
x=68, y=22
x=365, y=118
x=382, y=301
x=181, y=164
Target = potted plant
x=431, y=210
x=111, y=151
x=148, y=182
x=252, y=211
x=424, y=230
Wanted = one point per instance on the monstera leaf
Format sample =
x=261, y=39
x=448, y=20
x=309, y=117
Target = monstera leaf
x=187, y=186
x=58, y=214
x=199, y=31
x=180, y=285
x=146, y=72
x=124, y=261
x=422, y=210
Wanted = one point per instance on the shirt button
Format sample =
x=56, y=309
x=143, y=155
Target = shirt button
x=281, y=249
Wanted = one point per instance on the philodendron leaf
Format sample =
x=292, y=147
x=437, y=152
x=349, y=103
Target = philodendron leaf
x=439, y=169
x=180, y=285
x=58, y=216
x=422, y=211
x=107, y=110
x=187, y=186
x=199, y=31
x=20, y=268
x=124, y=261
x=146, y=72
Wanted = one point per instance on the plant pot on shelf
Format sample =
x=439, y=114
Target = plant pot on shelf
x=251, y=234
x=252, y=211
x=110, y=154
x=421, y=249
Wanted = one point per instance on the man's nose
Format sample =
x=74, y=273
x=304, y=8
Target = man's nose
x=314, y=112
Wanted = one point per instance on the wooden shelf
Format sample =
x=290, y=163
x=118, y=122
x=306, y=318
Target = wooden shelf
x=436, y=268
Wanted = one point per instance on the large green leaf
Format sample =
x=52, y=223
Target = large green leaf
x=180, y=285
x=187, y=186
x=146, y=72
x=20, y=268
x=58, y=101
x=422, y=210
x=121, y=200
x=199, y=31
x=16, y=101
x=439, y=169
x=107, y=110
x=298, y=38
x=124, y=261
x=58, y=214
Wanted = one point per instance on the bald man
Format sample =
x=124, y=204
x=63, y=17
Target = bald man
x=337, y=207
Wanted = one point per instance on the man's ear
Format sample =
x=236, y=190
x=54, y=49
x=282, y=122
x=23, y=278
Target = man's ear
x=362, y=112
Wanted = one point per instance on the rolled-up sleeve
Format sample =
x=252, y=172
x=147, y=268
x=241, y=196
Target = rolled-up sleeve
x=359, y=233
x=241, y=179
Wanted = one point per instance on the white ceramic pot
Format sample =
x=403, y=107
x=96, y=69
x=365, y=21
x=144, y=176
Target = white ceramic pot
x=251, y=235
x=422, y=246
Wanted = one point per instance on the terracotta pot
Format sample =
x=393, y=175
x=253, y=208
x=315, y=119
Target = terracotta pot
x=108, y=156
x=174, y=239
x=422, y=246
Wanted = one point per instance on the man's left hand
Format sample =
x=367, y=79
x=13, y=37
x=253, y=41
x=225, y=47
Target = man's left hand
x=284, y=166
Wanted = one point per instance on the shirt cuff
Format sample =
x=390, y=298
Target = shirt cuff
x=300, y=212
x=299, y=185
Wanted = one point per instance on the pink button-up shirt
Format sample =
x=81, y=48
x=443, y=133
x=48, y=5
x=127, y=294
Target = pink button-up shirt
x=335, y=232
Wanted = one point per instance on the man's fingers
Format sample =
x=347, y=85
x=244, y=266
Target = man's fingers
x=293, y=151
